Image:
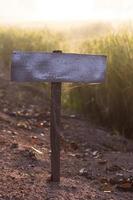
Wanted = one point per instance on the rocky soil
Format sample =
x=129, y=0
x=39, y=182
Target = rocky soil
x=96, y=164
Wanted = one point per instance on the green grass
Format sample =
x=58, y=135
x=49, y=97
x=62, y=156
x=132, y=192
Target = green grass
x=109, y=104
x=31, y=39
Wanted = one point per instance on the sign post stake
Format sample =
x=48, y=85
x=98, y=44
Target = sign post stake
x=55, y=129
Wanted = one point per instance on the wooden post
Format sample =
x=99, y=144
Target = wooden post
x=55, y=129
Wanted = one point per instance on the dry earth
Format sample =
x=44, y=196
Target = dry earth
x=95, y=163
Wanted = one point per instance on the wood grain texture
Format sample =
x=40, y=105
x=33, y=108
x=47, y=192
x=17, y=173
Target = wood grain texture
x=56, y=67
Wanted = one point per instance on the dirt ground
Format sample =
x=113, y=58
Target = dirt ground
x=95, y=163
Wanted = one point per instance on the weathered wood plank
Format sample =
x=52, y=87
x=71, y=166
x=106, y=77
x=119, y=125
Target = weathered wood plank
x=55, y=67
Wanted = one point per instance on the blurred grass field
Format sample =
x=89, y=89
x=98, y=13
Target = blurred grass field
x=109, y=104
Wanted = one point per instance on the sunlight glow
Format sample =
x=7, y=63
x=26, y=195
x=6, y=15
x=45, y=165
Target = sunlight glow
x=60, y=10
x=65, y=10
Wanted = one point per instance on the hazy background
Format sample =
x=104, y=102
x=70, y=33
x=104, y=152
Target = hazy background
x=60, y=10
x=81, y=26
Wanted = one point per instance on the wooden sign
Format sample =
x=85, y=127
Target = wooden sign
x=57, y=67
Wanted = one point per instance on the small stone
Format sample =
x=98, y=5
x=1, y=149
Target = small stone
x=41, y=124
x=9, y=132
x=72, y=116
x=87, y=150
x=83, y=172
x=34, y=137
x=72, y=154
x=94, y=153
x=14, y=133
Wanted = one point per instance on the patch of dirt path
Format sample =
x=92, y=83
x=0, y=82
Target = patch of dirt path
x=95, y=164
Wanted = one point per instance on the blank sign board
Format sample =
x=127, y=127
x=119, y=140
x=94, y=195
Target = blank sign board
x=56, y=67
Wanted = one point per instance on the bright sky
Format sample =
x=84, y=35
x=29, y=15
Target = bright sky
x=59, y=10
